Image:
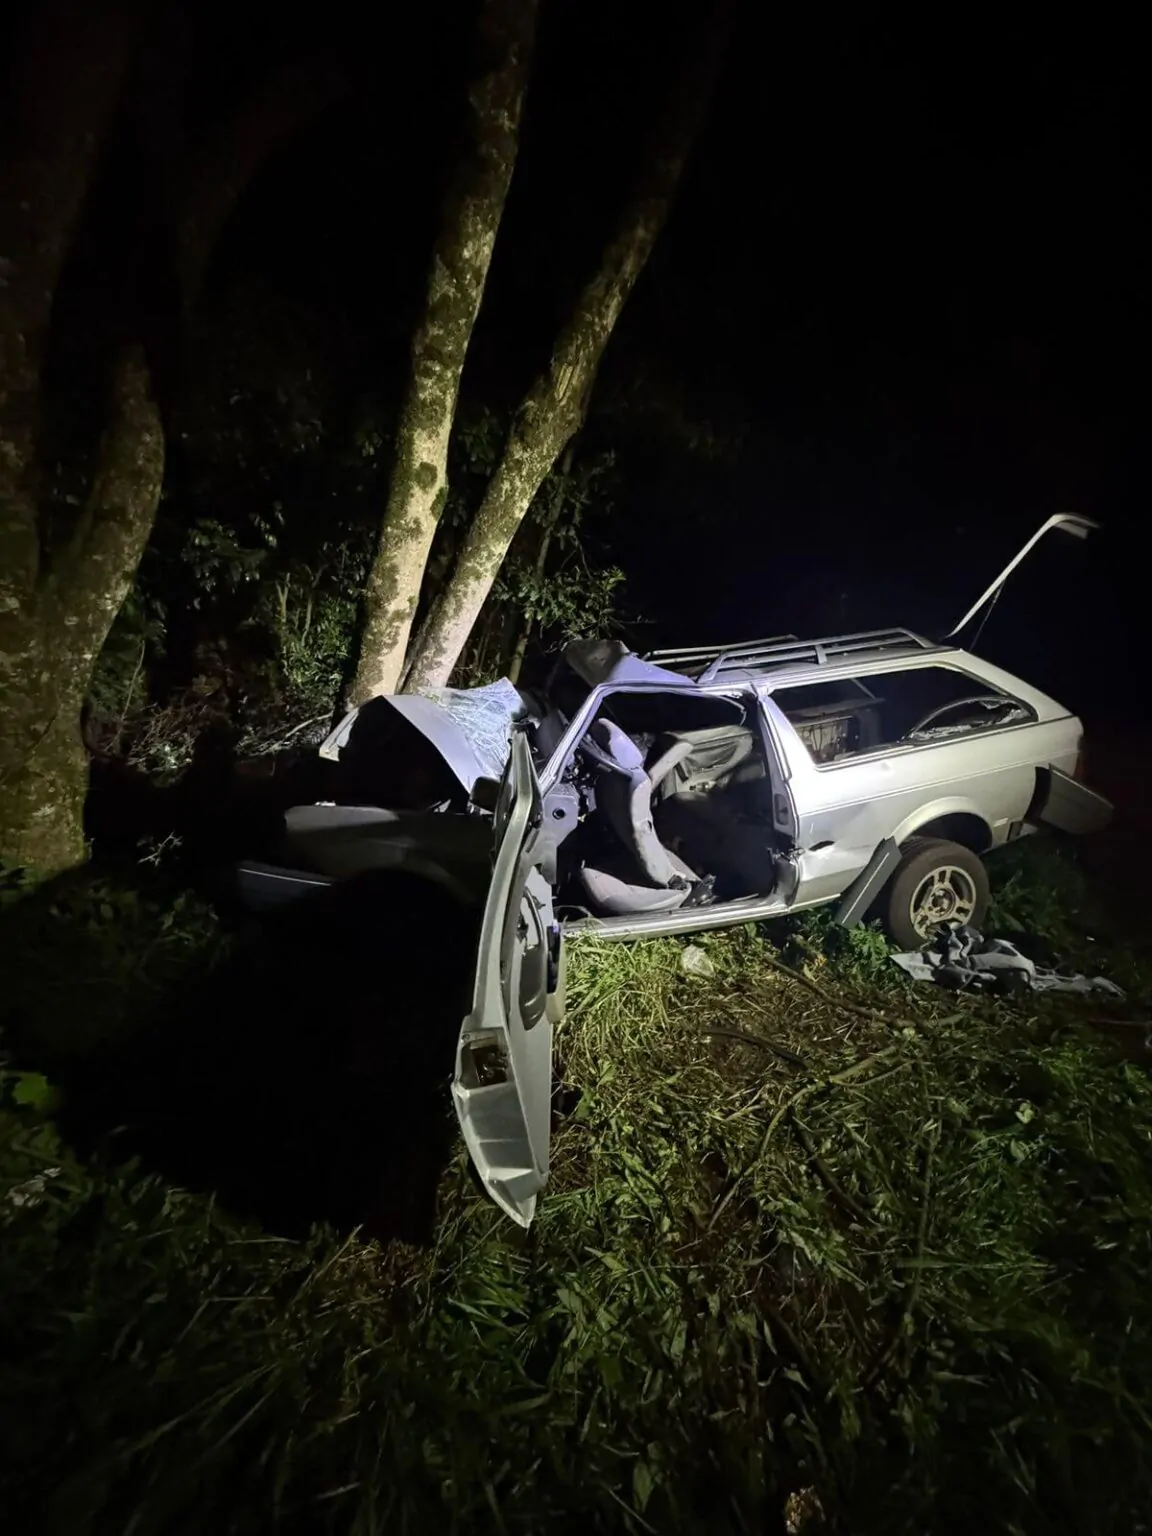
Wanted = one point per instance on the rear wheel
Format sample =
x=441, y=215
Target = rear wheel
x=937, y=885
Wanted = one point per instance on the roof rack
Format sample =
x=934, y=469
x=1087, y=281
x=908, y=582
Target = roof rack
x=706, y=663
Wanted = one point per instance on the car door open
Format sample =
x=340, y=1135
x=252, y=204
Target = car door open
x=502, y=1086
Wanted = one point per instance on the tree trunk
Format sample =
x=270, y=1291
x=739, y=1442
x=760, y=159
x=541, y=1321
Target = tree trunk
x=64, y=72
x=43, y=766
x=67, y=67
x=554, y=407
x=100, y=565
x=42, y=809
x=57, y=604
x=460, y=261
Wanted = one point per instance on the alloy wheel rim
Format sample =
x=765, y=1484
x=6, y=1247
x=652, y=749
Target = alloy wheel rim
x=946, y=897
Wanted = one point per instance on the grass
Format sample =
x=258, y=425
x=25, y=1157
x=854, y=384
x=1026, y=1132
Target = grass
x=822, y=1251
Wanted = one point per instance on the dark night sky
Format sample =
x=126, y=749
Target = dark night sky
x=917, y=254
x=904, y=264
x=902, y=274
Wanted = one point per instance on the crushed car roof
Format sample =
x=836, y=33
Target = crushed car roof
x=610, y=661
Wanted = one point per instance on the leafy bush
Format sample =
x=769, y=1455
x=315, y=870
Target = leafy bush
x=246, y=618
x=1039, y=888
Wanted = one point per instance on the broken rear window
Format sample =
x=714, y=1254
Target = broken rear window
x=848, y=717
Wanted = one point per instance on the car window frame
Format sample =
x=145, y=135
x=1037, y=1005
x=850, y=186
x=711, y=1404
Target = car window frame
x=577, y=727
x=901, y=748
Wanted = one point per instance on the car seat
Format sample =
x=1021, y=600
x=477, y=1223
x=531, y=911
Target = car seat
x=640, y=874
x=715, y=807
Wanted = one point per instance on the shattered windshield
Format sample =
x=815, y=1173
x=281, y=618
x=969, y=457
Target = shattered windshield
x=484, y=715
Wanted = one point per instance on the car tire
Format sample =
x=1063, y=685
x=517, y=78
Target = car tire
x=936, y=884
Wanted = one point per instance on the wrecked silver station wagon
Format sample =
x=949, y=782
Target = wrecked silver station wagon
x=676, y=792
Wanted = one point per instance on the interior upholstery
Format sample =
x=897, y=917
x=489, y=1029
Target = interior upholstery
x=696, y=804
x=624, y=793
x=715, y=808
x=720, y=754
x=643, y=876
x=714, y=830
x=613, y=893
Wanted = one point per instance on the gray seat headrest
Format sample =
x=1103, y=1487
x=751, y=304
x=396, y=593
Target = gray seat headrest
x=617, y=746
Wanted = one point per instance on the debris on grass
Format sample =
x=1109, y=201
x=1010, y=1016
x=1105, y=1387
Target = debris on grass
x=694, y=961
x=964, y=958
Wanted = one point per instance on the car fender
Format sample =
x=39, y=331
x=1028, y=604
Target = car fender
x=949, y=805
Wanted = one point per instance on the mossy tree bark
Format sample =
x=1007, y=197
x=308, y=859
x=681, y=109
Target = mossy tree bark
x=66, y=72
x=61, y=589
x=554, y=407
x=460, y=261
x=51, y=649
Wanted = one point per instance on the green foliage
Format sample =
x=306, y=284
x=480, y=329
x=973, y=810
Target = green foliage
x=900, y=1286
x=246, y=606
x=863, y=952
x=243, y=613
x=547, y=581
x=83, y=959
x=218, y=557
x=574, y=601
x=312, y=609
x=119, y=685
x=34, y=1090
x=1039, y=888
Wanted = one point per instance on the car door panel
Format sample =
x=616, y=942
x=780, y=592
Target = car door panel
x=847, y=809
x=834, y=840
x=502, y=1088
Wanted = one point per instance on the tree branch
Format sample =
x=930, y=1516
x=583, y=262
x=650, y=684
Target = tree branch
x=217, y=175
x=127, y=482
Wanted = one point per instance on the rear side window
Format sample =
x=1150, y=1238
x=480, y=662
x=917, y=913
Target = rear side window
x=915, y=706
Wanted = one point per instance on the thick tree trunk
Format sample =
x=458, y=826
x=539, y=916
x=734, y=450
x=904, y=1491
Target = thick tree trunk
x=58, y=603
x=554, y=407
x=56, y=95
x=460, y=262
x=100, y=565
x=55, y=643
x=67, y=67
x=42, y=806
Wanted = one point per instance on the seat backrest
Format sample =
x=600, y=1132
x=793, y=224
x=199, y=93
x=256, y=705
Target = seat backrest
x=624, y=794
x=718, y=755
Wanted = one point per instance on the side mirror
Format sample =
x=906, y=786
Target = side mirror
x=485, y=794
